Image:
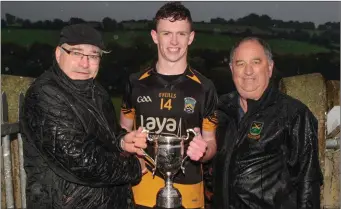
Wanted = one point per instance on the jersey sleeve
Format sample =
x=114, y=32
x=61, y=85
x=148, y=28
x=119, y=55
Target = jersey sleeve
x=210, y=120
x=127, y=107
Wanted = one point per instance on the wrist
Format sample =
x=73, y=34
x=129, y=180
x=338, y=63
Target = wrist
x=144, y=171
x=204, y=156
x=122, y=143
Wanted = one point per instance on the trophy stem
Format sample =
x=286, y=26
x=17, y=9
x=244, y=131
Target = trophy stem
x=168, y=180
x=168, y=196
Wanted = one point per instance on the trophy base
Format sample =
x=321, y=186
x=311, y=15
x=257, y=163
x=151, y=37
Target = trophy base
x=168, y=197
x=157, y=207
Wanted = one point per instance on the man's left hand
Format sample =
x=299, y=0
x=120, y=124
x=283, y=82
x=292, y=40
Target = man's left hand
x=197, y=147
x=134, y=141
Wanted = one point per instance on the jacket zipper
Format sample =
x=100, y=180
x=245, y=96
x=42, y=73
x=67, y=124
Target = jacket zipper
x=101, y=116
x=93, y=93
x=235, y=143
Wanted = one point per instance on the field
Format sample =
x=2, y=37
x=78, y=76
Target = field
x=216, y=41
x=117, y=104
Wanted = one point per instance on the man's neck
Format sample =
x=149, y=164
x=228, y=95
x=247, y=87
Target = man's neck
x=243, y=104
x=171, y=68
x=243, y=101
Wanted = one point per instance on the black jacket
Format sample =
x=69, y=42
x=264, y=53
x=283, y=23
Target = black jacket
x=71, y=137
x=268, y=158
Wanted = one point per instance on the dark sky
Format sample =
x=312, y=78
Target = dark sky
x=317, y=12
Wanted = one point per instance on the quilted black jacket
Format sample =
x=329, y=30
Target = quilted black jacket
x=72, y=156
x=267, y=159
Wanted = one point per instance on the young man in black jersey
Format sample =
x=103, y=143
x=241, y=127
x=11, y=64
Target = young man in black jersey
x=171, y=97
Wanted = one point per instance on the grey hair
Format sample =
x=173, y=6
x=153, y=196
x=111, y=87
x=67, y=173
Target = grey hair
x=265, y=46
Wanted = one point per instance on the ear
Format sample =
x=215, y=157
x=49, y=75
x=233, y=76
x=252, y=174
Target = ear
x=153, y=33
x=191, y=37
x=58, y=53
x=231, y=68
x=271, y=67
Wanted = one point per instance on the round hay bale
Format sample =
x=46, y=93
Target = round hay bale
x=333, y=93
x=13, y=86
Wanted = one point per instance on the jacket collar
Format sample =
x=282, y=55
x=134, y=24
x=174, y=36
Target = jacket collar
x=79, y=86
x=229, y=103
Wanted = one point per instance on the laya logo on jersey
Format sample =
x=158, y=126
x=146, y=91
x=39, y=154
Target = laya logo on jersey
x=161, y=124
x=189, y=104
x=143, y=99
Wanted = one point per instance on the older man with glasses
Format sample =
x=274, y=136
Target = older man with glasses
x=76, y=154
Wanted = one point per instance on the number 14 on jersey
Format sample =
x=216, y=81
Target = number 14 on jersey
x=165, y=104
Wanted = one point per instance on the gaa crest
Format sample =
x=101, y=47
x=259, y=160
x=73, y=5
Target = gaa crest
x=255, y=130
x=189, y=104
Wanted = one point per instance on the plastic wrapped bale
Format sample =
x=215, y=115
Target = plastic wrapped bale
x=333, y=93
x=311, y=90
x=13, y=86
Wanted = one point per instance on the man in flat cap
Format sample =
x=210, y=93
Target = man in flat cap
x=76, y=154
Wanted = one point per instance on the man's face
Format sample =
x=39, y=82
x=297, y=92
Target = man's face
x=75, y=65
x=172, y=39
x=251, y=69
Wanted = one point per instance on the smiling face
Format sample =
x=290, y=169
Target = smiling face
x=78, y=62
x=251, y=69
x=172, y=39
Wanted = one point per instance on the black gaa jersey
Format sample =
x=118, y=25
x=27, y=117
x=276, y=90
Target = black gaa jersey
x=163, y=104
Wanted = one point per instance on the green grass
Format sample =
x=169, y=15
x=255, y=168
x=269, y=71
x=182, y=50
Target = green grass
x=311, y=32
x=295, y=47
x=126, y=38
x=117, y=103
x=27, y=37
x=227, y=28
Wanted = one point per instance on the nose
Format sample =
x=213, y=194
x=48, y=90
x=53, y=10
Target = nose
x=84, y=62
x=248, y=69
x=174, y=40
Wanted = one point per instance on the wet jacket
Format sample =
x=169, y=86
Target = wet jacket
x=72, y=156
x=267, y=158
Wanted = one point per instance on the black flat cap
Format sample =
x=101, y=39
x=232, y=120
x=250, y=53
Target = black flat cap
x=81, y=34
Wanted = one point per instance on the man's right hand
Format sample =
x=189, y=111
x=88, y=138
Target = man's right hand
x=134, y=141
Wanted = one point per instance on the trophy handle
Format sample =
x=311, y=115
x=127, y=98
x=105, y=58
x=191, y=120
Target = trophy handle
x=190, y=130
x=148, y=132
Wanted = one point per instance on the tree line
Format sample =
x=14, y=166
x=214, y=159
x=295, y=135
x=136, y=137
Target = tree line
x=260, y=21
x=327, y=34
x=264, y=21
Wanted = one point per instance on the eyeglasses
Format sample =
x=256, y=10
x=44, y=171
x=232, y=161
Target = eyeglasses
x=93, y=58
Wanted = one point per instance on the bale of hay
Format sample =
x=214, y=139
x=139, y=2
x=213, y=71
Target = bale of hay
x=331, y=192
x=333, y=93
x=13, y=86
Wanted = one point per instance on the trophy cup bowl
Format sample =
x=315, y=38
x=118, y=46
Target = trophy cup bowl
x=169, y=158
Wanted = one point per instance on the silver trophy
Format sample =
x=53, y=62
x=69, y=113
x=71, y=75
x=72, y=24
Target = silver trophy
x=169, y=158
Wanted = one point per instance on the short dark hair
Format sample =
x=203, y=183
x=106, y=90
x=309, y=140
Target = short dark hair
x=262, y=42
x=174, y=10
